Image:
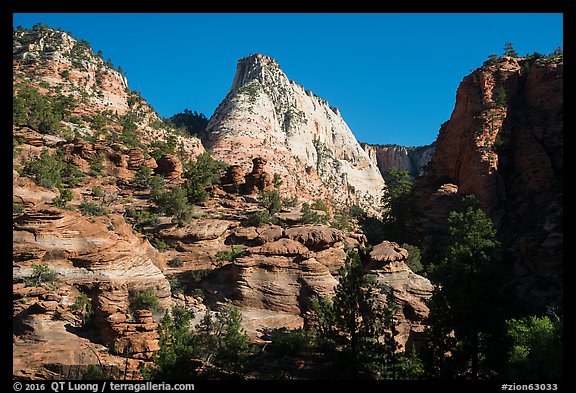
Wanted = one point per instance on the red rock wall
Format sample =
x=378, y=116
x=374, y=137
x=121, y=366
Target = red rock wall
x=510, y=157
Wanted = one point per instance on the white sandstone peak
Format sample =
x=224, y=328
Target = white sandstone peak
x=301, y=136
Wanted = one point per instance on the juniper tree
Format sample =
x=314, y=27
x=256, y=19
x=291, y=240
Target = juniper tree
x=202, y=172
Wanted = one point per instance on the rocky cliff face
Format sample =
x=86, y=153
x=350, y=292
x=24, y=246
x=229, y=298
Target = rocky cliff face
x=504, y=143
x=58, y=66
x=57, y=59
x=412, y=159
x=299, y=134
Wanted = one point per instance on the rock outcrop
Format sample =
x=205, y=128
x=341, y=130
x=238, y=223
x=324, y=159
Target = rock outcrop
x=301, y=137
x=85, y=251
x=170, y=168
x=233, y=179
x=100, y=257
x=257, y=180
x=60, y=60
x=409, y=290
x=136, y=159
x=315, y=237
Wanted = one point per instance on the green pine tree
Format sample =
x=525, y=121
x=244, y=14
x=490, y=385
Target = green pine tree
x=397, y=202
x=509, y=50
x=356, y=326
x=467, y=299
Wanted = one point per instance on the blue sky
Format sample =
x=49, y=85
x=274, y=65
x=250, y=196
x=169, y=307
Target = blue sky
x=393, y=76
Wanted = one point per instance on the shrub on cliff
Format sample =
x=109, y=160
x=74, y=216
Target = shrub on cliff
x=88, y=208
x=230, y=255
x=509, y=50
x=40, y=112
x=50, y=171
x=270, y=200
x=42, y=274
x=82, y=307
x=143, y=300
x=259, y=218
x=160, y=147
x=45, y=170
x=308, y=216
x=219, y=344
x=61, y=200
x=414, y=258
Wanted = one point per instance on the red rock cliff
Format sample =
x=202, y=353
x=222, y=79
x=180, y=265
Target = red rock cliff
x=504, y=143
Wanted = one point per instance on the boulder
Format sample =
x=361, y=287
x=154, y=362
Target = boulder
x=269, y=233
x=284, y=246
x=245, y=234
x=389, y=256
x=315, y=237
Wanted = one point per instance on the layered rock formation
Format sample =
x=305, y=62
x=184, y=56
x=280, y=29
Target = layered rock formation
x=412, y=159
x=100, y=257
x=300, y=136
x=270, y=272
x=169, y=167
x=409, y=290
x=504, y=143
x=258, y=179
x=281, y=270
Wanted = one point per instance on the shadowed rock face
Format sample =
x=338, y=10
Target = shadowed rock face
x=298, y=134
x=509, y=154
x=170, y=167
x=267, y=124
